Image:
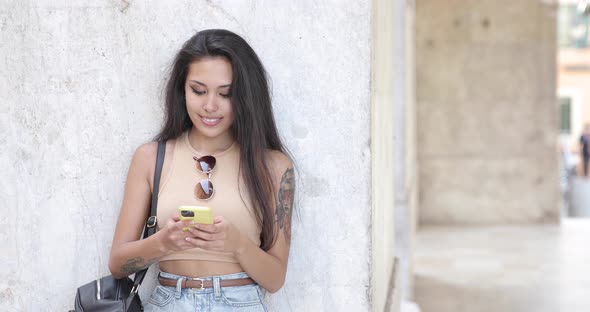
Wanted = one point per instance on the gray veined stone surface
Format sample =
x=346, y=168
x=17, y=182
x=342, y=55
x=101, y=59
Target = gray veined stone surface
x=81, y=89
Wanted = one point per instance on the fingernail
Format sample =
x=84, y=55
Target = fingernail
x=188, y=239
x=192, y=222
x=197, y=226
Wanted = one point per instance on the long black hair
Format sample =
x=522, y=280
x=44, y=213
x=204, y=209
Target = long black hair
x=254, y=126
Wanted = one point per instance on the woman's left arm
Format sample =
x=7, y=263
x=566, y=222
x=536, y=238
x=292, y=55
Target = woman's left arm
x=267, y=268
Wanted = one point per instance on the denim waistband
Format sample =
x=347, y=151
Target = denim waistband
x=221, y=277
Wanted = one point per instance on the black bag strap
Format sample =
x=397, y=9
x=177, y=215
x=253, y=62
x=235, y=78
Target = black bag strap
x=151, y=222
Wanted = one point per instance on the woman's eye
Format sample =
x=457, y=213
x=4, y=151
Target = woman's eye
x=225, y=95
x=197, y=92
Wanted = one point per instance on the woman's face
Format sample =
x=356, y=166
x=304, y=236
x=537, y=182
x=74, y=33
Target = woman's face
x=207, y=91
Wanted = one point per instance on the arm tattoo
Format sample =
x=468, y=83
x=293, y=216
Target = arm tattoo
x=135, y=265
x=285, y=202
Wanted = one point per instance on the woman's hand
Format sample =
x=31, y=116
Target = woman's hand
x=222, y=235
x=172, y=238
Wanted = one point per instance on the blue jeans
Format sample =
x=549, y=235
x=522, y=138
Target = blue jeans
x=216, y=299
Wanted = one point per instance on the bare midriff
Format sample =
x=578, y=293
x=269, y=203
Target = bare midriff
x=199, y=268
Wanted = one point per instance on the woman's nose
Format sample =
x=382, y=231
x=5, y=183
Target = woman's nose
x=210, y=104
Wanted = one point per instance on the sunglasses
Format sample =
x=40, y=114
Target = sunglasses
x=204, y=189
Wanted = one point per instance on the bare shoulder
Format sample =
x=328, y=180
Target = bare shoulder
x=279, y=162
x=145, y=158
x=145, y=154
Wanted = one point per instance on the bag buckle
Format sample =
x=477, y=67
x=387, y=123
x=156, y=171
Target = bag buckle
x=151, y=222
x=134, y=289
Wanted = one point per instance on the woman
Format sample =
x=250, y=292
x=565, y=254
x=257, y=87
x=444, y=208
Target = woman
x=217, y=104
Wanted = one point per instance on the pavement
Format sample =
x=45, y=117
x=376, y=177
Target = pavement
x=508, y=268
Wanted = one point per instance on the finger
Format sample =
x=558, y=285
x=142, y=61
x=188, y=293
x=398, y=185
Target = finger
x=170, y=222
x=203, y=244
x=195, y=242
x=170, y=226
x=218, y=219
x=185, y=237
x=210, y=228
x=182, y=225
x=184, y=246
x=206, y=235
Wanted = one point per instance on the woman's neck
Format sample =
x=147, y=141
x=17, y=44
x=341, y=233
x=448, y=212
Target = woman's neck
x=207, y=145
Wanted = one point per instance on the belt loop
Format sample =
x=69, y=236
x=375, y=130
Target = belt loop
x=178, y=292
x=216, y=287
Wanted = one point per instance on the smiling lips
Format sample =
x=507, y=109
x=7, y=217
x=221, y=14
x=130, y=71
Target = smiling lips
x=209, y=121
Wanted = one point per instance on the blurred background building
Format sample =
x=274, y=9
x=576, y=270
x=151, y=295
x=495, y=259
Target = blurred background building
x=573, y=66
x=503, y=92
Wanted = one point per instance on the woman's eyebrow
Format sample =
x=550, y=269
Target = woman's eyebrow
x=204, y=85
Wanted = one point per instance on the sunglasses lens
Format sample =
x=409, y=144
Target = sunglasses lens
x=206, y=163
x=204, y=189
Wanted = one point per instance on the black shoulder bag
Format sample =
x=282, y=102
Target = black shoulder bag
x=109, y=294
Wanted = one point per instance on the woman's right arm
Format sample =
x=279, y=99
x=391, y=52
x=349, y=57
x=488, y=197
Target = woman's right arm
x=129, y=253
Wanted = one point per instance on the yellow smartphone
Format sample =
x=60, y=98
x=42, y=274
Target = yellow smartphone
x=199, y=214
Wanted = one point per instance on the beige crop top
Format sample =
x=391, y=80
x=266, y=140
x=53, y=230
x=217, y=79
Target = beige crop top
x=178, y=189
